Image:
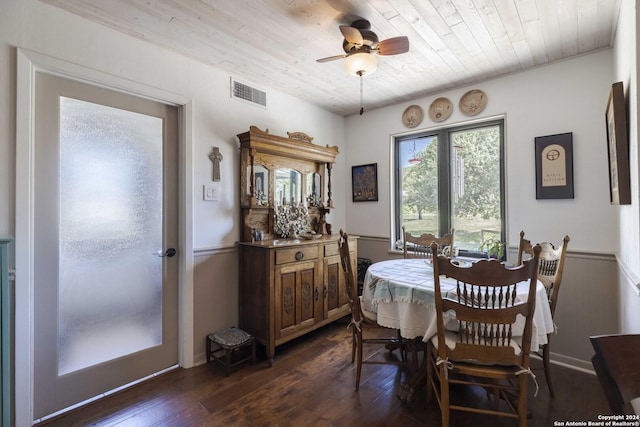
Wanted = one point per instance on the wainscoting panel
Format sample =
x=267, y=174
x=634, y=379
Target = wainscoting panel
x=587, y=305
x=215, y=294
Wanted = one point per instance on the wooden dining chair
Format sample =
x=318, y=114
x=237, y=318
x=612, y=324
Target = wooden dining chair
x=483, y=351
x=420, y=246
x=551, y=266
x=364, y=328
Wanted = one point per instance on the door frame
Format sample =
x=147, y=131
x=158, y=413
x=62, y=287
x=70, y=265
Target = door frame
x=28, y=63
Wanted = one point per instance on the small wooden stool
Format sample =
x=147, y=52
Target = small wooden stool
x=229, y=341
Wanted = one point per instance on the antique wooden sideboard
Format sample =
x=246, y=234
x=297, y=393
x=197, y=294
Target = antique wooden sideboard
x=289, y=284
x=289, y=288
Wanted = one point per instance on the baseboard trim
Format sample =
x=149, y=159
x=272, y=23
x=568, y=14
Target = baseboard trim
x=571, y=363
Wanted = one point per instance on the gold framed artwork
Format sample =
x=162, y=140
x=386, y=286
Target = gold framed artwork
x=618, y=147
x=364, y=183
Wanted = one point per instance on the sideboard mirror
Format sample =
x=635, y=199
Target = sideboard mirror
x=314, y=185
x=288, y=186
x=260, y=184
x=276, y=170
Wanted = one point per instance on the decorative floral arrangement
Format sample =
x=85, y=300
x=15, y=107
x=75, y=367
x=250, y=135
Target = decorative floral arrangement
x=314, y=200
x=291, y=220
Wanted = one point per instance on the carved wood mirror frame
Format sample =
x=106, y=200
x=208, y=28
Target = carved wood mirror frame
x=259, y=151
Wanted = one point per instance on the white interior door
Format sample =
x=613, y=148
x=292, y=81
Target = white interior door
x=105, y=282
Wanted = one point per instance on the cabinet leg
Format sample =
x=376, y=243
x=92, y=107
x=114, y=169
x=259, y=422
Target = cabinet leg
x=271, y=351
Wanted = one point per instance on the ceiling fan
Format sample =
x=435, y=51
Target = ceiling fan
x=360, y=43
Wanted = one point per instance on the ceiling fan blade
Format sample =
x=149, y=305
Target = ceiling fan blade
x=352, y=35
x=393, y=46
x=331, y=58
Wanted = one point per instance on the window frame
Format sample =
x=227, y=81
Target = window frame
x=445, y=181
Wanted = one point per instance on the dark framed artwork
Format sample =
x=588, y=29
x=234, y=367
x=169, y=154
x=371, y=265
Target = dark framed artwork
x=554, y=166
x=364, y=183
x=618, y=147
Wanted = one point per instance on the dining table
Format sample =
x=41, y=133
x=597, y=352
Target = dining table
x=401, y=293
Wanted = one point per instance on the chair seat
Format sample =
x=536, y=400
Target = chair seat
x=478, y=369
x=231, y=341
x=231, y=337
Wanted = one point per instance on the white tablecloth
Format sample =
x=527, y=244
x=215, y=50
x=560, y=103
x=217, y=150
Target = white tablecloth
x=401, y=293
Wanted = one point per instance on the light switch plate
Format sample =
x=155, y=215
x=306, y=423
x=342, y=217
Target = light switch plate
x=210, y=193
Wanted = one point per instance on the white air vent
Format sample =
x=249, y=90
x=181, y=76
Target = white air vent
x=248, y=93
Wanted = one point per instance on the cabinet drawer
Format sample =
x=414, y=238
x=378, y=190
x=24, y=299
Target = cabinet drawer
x=331, y=249
x=305, y=253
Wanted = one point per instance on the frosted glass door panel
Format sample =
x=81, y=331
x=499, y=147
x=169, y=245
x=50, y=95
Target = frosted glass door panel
x=110, y=284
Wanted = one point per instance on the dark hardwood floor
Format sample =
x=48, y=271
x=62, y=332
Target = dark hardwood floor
x=312, y=384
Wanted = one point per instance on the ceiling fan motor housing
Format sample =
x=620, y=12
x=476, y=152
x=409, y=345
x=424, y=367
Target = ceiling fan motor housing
x=361, y=24
x=369, y=38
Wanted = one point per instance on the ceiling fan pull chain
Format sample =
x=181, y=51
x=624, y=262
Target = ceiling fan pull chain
x=361, y=103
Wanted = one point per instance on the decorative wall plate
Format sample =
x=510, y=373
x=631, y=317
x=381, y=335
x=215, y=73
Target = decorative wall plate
x=440, y=109
x=412, y=116
x=473, y=102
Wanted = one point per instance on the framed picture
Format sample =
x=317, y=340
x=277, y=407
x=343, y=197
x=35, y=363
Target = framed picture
x=364, y=183
x=618, y=147
x=554, y=166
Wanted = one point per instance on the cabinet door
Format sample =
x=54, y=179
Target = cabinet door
x=336, y=302
x=298, y=297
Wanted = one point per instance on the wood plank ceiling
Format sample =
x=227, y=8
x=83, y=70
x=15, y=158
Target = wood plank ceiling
x=275, y=43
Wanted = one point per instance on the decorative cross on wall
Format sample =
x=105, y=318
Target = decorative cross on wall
x=216, y=158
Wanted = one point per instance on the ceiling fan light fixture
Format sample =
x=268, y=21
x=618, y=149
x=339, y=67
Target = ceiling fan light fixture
x=361, y=64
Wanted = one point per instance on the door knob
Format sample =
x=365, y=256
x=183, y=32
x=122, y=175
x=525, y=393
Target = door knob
x=169, y=253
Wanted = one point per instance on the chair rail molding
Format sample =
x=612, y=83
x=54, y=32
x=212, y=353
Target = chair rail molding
x=215, y=250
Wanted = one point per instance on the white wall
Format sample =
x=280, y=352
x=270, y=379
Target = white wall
x=567, y=96
x=217, y=118
x=626, y=71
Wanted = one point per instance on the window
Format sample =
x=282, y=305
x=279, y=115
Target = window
x=452, y=178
